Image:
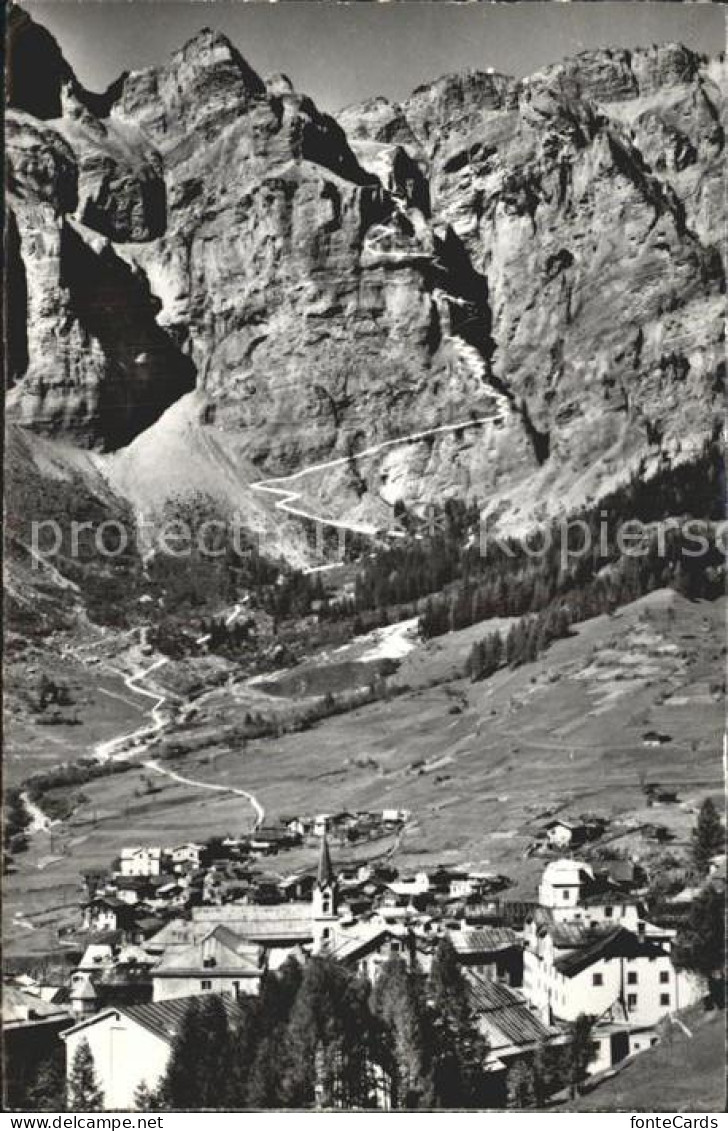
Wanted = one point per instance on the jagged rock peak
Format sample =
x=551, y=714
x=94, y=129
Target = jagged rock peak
x=457, y=102
x=617, y=74
x=210, y=49
x=204, y=86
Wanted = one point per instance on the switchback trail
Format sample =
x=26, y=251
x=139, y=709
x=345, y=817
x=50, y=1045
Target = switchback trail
x=125, y=746
x=278, y=485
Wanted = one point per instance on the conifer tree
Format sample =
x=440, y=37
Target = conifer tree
x=47, y=1091
x=180, y=1085
x=708, y=836
x=267, y=1060
x=329, y=1040
x=214, y=1061
x=145, y=1098
x=459, y=1049
x=581, y=1051
x=521, y=1090
x=405, y=1035
x=84, y=1093
x=700, y=944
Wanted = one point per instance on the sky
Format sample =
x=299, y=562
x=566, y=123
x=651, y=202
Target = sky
x=340, y=53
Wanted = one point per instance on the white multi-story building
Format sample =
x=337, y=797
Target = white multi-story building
x=598, y=969
x=139, y=861
x=587, y=951
x=571, y=893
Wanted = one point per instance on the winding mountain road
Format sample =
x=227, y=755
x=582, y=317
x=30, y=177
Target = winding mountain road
x=125, y=746
x=274, y=485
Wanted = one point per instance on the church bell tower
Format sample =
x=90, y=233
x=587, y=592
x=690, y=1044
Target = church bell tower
x=325, y=901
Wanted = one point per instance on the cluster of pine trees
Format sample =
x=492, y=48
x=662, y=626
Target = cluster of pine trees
x=445, y=556
x=320, y=1036
x=525, y=641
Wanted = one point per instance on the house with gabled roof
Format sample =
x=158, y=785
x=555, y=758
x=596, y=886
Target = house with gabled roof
x=602, y=970
x=131, y=1045
x=141, y=860
x=108, y=913
x=511, y=1027
x=221, y=963
x=367, y=947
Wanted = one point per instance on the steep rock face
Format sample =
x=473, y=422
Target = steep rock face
x=604, y=285
x=307, y=289
x=306, y=293
x=92, y=363
x=202, y=89
x=121, y=178
x=528, y=267
x=457, y=104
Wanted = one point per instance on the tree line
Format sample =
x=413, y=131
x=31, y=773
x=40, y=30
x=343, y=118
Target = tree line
x=320, y=1036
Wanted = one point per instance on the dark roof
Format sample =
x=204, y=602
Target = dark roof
x=504, y=1014
x=111, y=901
x=163, y=1018
x=607, y=895
x=485, y=939
x=617, y=943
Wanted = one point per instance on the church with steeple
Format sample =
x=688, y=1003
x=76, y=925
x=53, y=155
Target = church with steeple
x=325, y=898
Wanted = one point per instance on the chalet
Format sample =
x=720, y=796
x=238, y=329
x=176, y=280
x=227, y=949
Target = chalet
x=96, y=957
x=131, y=1045
x=108, y=913
x=655, y=738
x=409, y=886
x=395, y=816
x=462, y=885
x=31, y=1030
x=140, y=861
x=185, y=855
x=297, y=826
x=221, y=963
x=564, y=834
x=368, y=947
x=494, y=952
x=321, y=824
x=135, y=889
x=268, y=840
x=297, y=887
x=334, y=824
x=126, y=983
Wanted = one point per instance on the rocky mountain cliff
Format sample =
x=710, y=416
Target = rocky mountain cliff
x=540, y=253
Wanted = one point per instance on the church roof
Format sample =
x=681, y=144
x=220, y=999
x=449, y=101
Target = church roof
x=280, y=922
x=325, y=875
